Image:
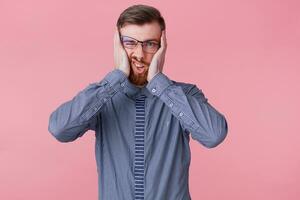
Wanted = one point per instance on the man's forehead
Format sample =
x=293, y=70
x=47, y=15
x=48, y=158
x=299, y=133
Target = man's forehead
x=149, y=31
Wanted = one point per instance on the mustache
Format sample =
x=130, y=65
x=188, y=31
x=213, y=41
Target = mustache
x=141, y=62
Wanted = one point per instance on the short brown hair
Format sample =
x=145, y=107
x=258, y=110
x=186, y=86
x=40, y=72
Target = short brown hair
x=140, y=14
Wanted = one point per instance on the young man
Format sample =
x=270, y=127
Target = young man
x=142, y=119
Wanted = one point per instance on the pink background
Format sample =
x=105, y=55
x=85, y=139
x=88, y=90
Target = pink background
x=244, y=55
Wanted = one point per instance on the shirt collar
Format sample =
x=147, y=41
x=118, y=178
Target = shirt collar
x=134, y=91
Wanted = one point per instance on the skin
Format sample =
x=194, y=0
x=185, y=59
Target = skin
x=124, y=58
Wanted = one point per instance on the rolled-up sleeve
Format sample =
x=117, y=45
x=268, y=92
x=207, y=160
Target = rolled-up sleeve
x=196, y=115
x=78, y=115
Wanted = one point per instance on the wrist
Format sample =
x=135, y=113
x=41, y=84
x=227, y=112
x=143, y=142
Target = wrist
x=152, y=76
x=125, y=71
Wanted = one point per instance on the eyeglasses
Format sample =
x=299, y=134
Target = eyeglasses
x=148, y=46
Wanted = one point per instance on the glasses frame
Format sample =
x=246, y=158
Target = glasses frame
x=142, y=43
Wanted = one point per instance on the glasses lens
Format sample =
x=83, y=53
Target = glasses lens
x=151, y=47
x=128, y=42
x=148, y=46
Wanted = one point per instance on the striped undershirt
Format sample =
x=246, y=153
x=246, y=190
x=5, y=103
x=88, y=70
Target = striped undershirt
x=139, y=147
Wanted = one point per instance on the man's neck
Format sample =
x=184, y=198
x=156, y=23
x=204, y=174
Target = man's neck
x=138, y=81
x=140, y=86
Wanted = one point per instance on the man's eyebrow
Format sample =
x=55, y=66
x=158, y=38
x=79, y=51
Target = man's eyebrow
x=152, y=40
x=148, y=40
x=144, y=40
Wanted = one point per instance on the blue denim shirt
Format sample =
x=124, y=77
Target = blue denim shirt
x=141, y=134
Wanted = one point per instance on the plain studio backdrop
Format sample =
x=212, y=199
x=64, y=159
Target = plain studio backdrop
x=244, y=55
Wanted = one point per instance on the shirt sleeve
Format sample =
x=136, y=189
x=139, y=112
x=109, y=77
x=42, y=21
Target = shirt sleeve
x=78, y=115
x=197, y=117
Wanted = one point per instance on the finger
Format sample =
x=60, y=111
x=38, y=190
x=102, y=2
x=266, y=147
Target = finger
x=116, y=38
x=120, y=44
x=117, y=33
x=163, y=39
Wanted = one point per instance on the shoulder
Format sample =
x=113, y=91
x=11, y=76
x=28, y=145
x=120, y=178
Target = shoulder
x=186, y=87
x=191, y=90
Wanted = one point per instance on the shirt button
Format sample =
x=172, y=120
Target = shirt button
x=111, y=92
x=171, y=104
x=122, y=84
x=153, y=90
x=104, y=99
x=181, y=114
x=95, y=108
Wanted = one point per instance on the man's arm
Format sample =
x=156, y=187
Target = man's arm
x=78, y=115
x=196, y=115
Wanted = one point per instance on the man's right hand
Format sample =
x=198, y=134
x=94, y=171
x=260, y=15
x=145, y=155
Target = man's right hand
x=120, y=55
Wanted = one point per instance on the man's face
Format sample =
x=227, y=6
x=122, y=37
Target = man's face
x=137, y=56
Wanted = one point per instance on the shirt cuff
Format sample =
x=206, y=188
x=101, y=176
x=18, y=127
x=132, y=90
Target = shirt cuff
x=158, y=84
x=115, y=76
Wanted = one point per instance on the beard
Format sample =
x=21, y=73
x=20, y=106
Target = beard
x=138, y=79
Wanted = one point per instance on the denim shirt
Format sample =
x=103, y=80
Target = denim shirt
x=142, y=134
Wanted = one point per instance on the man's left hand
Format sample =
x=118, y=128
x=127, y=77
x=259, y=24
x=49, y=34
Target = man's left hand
x=158, y=59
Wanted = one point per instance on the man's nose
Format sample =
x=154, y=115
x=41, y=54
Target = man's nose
x=139, y=53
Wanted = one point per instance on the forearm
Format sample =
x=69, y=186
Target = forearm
x=74, y=117
x=191, y=108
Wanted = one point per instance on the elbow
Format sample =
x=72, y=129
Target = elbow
x=58, y=135
x=218, y=136
x=214, y=142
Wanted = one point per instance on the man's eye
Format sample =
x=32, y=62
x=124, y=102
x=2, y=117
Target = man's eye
x=151, y=44
x=129, y=42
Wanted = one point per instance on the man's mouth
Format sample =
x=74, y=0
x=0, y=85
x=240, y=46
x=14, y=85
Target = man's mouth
x=139, y=67
x=137, y=64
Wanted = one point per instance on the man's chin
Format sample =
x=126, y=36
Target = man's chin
x=138, y=79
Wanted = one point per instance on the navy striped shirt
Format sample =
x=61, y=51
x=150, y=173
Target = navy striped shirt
x=141, y=134
x=139, y=147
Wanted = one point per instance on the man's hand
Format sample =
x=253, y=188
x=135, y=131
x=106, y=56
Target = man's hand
x=120, y=55
x=158, y=59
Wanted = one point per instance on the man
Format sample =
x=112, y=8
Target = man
x=142, y=119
